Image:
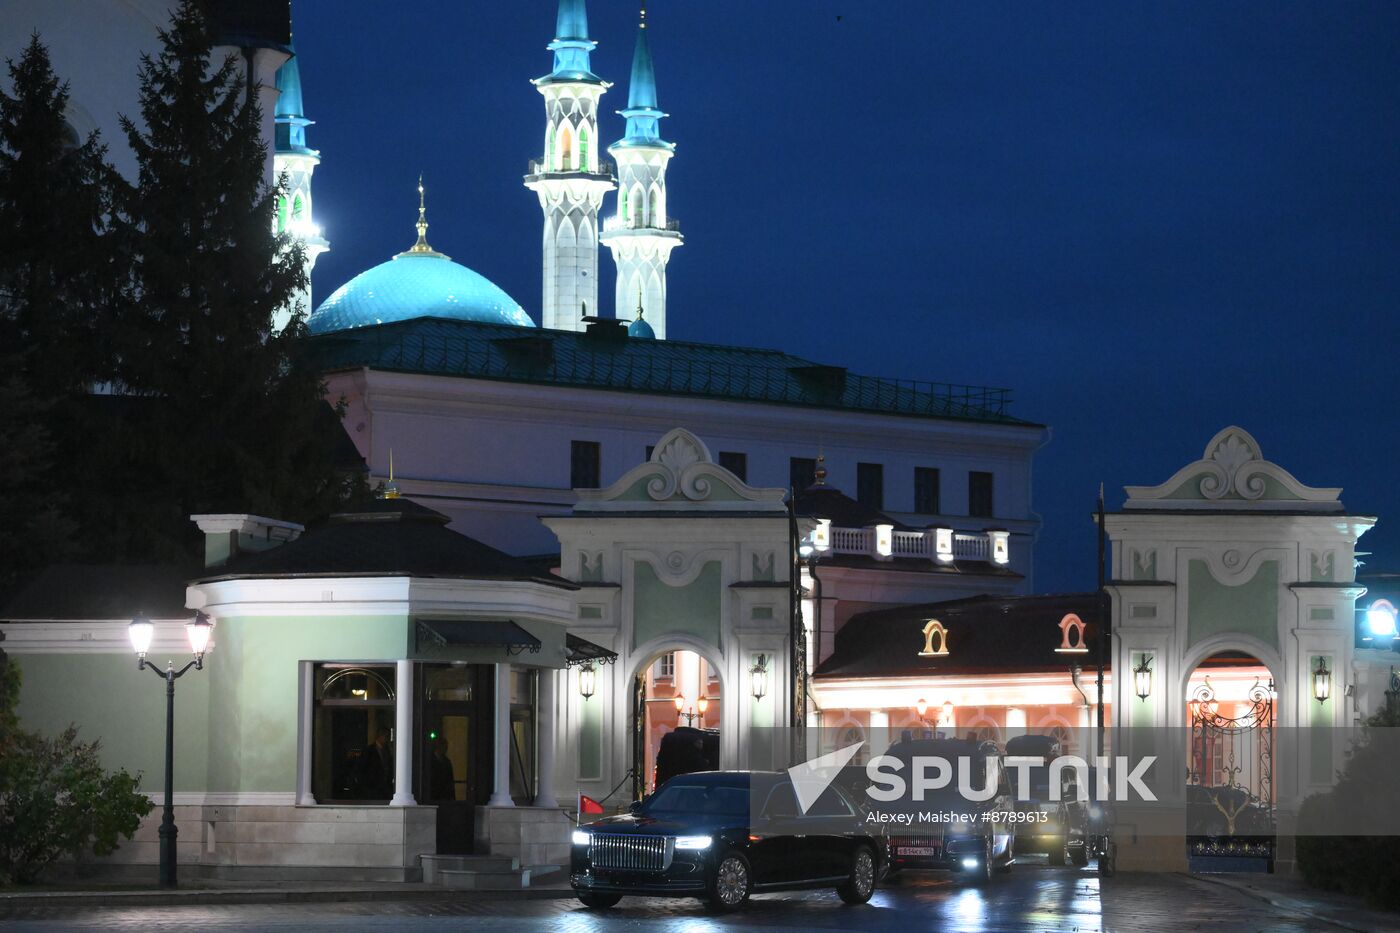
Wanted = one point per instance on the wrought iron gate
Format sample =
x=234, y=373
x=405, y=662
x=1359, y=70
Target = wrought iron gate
x=1230, y=795
x=639, y=736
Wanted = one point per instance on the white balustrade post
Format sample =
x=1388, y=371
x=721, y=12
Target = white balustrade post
x=403, y=736
x=500, y=792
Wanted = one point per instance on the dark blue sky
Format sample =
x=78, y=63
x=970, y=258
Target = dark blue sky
x=1148, y=220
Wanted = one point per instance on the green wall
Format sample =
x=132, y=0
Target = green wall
x=107, y=698
x=254, y=676
x=1214, y=608
x=661, y=609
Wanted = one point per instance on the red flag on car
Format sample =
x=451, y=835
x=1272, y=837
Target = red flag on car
x=588, y=805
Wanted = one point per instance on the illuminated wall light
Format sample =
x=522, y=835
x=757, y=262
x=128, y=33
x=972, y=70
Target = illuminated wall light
x=1142, y=677
x=821, y=535
x=1322, y=681
x=943, y=545
x=1001, y=546
x=884, y=541
x=1381, y=619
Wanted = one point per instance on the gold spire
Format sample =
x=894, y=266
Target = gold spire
x=819, y=474
x=391, y=488
x=644, y=14
x=421, y=248
x=639, y=286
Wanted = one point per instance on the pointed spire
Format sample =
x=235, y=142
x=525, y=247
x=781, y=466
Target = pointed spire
x=421, y=248
x=639, y=327
x=289, y=117
x=391, y=488
x=571, y=46
x=642, y=113
x=819, y=474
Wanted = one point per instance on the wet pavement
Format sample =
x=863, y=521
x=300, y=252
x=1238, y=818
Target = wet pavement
x=1032, y=898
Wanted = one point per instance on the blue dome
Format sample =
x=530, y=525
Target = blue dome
x=414, y=285
x=641, y=329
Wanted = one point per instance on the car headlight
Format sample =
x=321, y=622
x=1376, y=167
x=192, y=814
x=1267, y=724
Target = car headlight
x=693, y=842
x=581, y=838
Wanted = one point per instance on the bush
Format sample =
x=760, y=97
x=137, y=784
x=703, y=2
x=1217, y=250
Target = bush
x=56, y=799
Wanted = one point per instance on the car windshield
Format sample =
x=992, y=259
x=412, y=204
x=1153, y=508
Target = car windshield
x=700, y=799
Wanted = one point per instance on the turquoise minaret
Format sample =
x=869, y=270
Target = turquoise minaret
x=642, y=234
x=570, y=180
x=294, y=162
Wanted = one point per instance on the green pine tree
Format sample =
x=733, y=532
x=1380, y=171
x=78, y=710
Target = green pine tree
x=237, y=415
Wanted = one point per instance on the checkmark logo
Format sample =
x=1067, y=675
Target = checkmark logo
x=811, y=778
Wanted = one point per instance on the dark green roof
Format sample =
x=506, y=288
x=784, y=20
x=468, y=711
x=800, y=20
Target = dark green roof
x=605, y=358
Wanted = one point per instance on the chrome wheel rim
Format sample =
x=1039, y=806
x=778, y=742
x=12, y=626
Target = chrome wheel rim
x=864, y=873
x=731, y=881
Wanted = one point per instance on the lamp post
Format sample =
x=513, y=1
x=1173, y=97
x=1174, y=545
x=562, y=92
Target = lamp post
x=142, y=631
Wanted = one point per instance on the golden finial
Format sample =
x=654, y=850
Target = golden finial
x=819, y=474
x=639, y=301
x=391, y=488
x=644, y=14
x=421, y=248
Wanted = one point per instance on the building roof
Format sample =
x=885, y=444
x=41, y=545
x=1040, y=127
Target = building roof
x=602, y=359
x=89, y=592
x=985, y=635
x=571, y=47
x=290, y=114
x=384, y=537
x=822, y=501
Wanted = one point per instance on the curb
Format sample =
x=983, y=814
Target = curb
x=61, y=900
x=1281, y=903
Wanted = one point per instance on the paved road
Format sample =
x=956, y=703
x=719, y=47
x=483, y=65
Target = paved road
x=1033, y=898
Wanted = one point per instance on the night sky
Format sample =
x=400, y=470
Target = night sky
x=1148, y=220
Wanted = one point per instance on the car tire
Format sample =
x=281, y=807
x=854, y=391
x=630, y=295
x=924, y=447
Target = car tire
x=1004, y=867
x=982, y=874
x=595, y=901
x=1079, y=856
x=860, y=885
x=730, y=883
x=1057, y=855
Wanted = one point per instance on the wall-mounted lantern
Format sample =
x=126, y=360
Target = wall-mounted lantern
x=921, y=707
x=587, y=680
x=1322, y=681
x=1142, y=677
x=758, y=677
x=1381, y=619
x=947, y=719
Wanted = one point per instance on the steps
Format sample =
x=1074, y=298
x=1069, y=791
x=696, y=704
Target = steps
x=475, y=872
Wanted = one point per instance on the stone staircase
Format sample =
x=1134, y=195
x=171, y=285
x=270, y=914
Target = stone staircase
x=480, y=872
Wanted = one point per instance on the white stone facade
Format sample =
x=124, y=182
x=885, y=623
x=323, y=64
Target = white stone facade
x=641, y=234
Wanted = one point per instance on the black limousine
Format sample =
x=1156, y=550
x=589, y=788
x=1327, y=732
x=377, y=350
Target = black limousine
x=721, y=836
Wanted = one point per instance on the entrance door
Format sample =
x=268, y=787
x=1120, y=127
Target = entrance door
x=454, y=749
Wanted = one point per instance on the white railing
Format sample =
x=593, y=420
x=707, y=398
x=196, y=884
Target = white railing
x=883, y=543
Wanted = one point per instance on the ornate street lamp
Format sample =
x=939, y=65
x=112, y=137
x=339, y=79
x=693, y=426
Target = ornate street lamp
x=1142, y=677
x=758, y=677
x=1322, y=681
x=587, y=680
x=142, y=631
x=921, y=707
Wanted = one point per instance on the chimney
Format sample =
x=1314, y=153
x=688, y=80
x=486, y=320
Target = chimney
x=227, y=536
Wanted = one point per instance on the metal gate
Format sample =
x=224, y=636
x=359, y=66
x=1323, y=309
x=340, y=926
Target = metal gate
x=639, y=737
x=1230, y=782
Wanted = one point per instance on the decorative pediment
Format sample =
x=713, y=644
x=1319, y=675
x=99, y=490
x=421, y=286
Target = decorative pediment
x=680, y=476
x=1233, y=474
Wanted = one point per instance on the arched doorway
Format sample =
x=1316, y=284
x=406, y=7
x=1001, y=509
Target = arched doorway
x=675, y=690
x=1231, y=712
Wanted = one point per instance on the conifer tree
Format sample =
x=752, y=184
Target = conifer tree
x=238, y=420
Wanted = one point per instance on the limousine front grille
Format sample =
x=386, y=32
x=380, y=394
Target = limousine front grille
x=631, y=853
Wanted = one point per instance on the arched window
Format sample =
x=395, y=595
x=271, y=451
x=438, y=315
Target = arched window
x=281, y=213
x=583, y=148
x=653, y=208
x=297, y=207
x=549, y=163
x=638, y=206
x=622, y=208
x=566, y=143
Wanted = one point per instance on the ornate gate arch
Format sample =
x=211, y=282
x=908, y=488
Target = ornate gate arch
x=1230, y=793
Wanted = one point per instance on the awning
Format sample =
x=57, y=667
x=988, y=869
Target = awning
x=488, y=634
x=582, y=651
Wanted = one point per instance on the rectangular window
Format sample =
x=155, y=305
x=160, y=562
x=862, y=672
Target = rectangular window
x=979, y=494
x=666, y=665
x=585, y=464
x=870, y=485
x=926, y=491
x=352, y=740
x=736, y=463
x=802, y=472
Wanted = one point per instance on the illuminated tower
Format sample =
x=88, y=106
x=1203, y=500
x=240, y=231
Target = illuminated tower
x=570, y=180
x=641, y=235
x=296, y=161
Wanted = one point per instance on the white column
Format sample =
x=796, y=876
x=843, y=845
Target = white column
x=305, y=702
x=500, y=793
x=878, y=738
x=547, y=718
x=403, y=736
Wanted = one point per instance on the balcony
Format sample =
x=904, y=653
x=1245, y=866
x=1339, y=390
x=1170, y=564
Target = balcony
x=614, y=222
x=604, y=170
x=937, y=545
